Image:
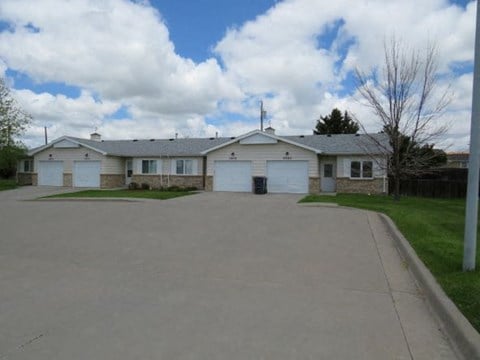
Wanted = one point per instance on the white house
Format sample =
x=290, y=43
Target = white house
x=291, y=164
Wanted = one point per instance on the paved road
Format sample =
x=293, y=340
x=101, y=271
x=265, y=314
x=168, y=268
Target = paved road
x=210, y=276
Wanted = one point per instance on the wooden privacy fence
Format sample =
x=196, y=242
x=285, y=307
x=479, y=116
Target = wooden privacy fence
x=440, y=183
x=433, y=188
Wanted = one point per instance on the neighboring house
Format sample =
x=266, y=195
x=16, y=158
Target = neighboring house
x=292, y=164
x=25, y=171
x=457, y=160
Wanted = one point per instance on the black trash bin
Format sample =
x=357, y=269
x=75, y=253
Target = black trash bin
x=260, y=185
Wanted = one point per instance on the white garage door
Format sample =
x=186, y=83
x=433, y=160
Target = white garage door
x=86, y=174
x=232, y=176
x=50, y=173
x=287, y=176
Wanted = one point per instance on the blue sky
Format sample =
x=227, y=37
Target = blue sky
x=143, y=69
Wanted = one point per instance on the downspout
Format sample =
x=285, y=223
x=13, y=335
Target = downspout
x=204, y=181
x=169, y=169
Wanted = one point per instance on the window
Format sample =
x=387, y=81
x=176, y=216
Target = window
x=367, y=169
x=361, y=169
x=149, y=166
x=328, y=170
x=184, y=167
x=28, y=166
x=355, y=169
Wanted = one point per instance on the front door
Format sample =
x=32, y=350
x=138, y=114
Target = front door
x=128, y=171
x=328, y=177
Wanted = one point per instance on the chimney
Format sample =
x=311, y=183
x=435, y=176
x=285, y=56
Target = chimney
x=270, y=130
x=216, y=134
x=95, y=136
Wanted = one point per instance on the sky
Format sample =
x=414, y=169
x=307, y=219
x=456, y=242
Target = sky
x=152, y=69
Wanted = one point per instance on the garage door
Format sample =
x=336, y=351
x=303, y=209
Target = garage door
x=287, y=176
x=50, y=173
x=232, y=176
x=86, y=174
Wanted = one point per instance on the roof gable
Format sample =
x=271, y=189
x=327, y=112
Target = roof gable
x=66, y=144
x=258, y=139
x=257, y=135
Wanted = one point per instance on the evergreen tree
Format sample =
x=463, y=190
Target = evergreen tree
x=336, y=123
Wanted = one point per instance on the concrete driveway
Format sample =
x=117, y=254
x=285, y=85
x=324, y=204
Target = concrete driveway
x=209, y=276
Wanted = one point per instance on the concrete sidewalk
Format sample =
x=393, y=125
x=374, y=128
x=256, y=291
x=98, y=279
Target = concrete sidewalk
x=209, y=276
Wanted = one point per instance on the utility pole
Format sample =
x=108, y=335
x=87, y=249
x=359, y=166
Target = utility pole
x=471, y=212
x=263, y=115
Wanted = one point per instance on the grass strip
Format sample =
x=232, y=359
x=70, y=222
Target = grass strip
x=137, y=194
x=7, y=184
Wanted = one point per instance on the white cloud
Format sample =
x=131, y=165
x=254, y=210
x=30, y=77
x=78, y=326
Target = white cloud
x=121, y=52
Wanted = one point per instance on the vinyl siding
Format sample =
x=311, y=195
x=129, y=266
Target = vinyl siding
x=260, y=154
x=110, y=165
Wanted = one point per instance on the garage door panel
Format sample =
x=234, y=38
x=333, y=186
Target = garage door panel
x=232, y=176
x=86, y=174
x=50, y=173
x=287, y=176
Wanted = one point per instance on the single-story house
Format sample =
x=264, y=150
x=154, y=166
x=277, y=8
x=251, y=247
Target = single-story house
x=291, y=164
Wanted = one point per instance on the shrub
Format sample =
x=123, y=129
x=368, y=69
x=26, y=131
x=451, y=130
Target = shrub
x=145, y=186
x=133, y=186
x=174, y=188
x=191, y=188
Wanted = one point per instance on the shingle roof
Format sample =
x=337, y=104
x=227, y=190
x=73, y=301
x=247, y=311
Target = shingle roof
x=344, y=144
x=334, y=145
x=157, y=147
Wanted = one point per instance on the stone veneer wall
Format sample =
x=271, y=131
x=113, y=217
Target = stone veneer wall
x=34, y=179
x=67, y=179
x=208, y=183
x=108, y=181
x=314, y=185
x=185, y=181
x=157, y=181
x=24, y=178
x=365, y=186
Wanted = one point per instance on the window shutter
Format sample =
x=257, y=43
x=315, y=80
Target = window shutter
x=194, y=166
x=346, y=167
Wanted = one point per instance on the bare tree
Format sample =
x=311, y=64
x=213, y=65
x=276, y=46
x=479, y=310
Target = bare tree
x=406, y=98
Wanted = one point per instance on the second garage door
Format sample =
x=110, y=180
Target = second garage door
x=287, y=176
x=232, y=176
x=86, y=174
x=50, y=173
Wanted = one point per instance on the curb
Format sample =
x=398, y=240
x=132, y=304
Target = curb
x=87, y=199
x=464, y=338
x=318, y=204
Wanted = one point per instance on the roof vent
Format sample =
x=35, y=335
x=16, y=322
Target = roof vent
x=171, y=139
x=152, y=139
x=212, y=138
x=95, y=136
x=329, y=135
x=134, y=140
x=357, y=134
x=302, y=136
x=233, y=137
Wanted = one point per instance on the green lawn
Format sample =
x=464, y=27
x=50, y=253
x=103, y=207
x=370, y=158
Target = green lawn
x=434, y=228
x=139, y=194
x=7, y=184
